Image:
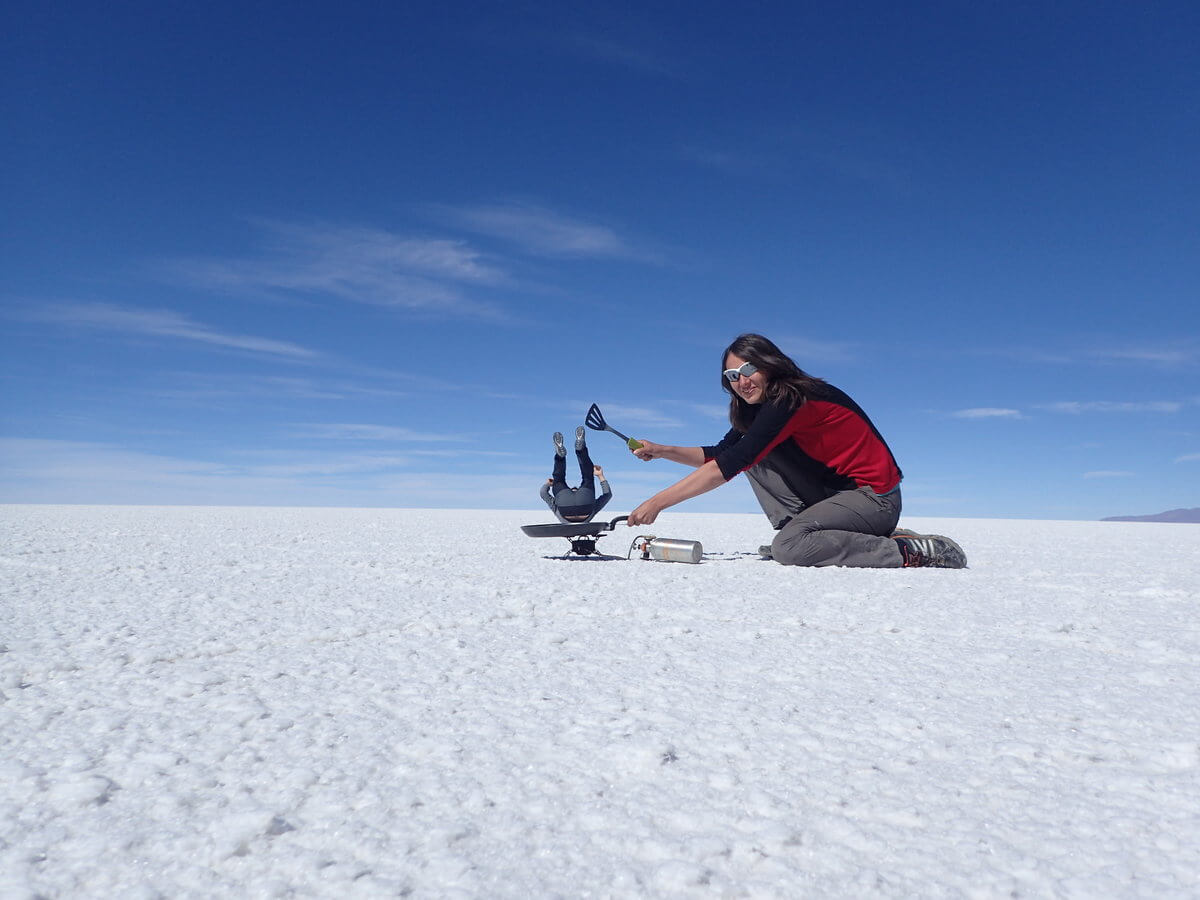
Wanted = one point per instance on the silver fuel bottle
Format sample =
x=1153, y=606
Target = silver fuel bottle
x=668, y=549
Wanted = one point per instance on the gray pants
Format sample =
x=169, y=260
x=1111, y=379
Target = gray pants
x=850, y=528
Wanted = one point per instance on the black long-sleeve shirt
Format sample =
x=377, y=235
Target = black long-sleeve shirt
x=825, y=445
x=561, y=508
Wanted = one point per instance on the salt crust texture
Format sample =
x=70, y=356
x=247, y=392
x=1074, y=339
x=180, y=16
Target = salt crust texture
x=201, y=702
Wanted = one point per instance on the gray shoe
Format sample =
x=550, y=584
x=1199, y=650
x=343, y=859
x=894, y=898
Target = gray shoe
x=579, y=439
x=559, y=449
x=765, y=552
x=904, y=532
x=933, y=551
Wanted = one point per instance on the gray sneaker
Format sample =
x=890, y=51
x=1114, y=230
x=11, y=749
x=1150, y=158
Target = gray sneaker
x=933, y=551
x=559, y=449
x=765, y=552
x=579, y=439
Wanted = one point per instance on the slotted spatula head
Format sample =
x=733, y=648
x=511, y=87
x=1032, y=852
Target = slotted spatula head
x=595, y=421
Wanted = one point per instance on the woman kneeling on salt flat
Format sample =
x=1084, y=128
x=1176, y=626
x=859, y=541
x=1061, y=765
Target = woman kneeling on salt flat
x=821, y=471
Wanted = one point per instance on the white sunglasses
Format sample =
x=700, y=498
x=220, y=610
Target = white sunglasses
x=745, y=369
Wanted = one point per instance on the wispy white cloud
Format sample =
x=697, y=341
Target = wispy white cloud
x=1104, y=473
x=1165, y=354
x=81, y=460
x=544, y=232
x=361, y=265
x=27, y=457
x=713, y=158
x=54, y=471
x=218, y=387
x=623, y=418
x=439, y=276
x=622, y=38
x=163, y=324
x=712, y=410
x=987, y=412
x=624, y=53
x=819, y=148
x=367, y=432
x=456, y=453
x=807, y=351
x=372, y=249
x=737, y=161
x=349, y=465
x=1174, y=355
x=1114, y=406
x=1188, y=457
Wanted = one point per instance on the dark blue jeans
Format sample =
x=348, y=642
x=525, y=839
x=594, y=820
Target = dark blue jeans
x=574, y=502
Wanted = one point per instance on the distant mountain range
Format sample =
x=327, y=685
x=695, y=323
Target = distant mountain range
x=1173, y=515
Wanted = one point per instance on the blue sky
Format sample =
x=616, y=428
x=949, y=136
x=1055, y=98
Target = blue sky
x=375, y=254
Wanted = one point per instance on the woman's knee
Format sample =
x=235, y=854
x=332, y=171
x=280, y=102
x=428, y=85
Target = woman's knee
x=797, y=548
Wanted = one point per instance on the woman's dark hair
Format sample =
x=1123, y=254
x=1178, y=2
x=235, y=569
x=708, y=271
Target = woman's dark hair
x=787, y=383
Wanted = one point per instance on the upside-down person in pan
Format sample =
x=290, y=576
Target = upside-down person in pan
x=576, y=504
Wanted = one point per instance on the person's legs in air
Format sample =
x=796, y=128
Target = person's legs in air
x=559, y=473
x=586, y=466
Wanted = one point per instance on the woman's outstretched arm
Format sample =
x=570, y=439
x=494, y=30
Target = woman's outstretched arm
x=703, y=480
x=688, y=456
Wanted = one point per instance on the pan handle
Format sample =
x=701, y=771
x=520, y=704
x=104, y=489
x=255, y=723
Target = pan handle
x=613, y=523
